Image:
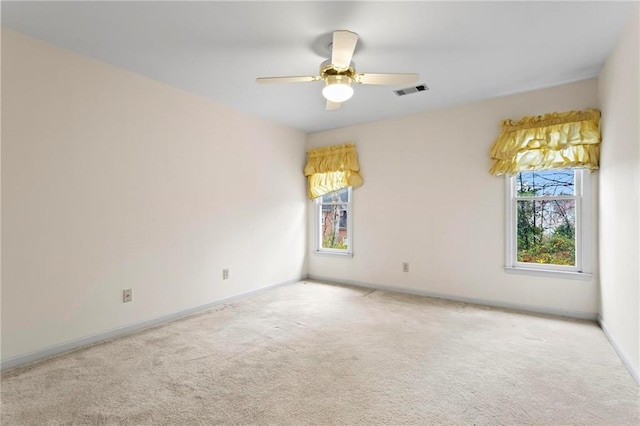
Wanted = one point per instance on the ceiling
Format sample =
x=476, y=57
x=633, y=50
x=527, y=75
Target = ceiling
x=463, y=51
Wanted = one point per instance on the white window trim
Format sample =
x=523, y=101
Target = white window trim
x=584, y=233
x=318, y=229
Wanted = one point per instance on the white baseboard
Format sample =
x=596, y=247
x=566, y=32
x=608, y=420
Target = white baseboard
x=497, y=304
x=616, y=347
x=128, y=329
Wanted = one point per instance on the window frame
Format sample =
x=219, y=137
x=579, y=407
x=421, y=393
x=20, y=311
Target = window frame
x=348, y=252
x=583, y=229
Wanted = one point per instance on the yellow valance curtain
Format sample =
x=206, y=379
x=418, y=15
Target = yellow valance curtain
x=331, y=168
x=559, y=140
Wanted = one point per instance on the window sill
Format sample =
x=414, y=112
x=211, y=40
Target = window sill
x=333, y=254
x=584, y=276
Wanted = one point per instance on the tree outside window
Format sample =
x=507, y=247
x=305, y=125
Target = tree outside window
x=333, y=211
x=546, y=217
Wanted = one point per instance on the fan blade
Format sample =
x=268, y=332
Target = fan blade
x=387, y=79
x=344, y=43
x=333, y=105
x=298, y=79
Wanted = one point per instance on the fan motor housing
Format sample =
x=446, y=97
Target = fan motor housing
x=327, y=69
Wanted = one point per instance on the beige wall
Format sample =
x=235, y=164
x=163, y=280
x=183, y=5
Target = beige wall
x=113, y=181
x=429, y=200
x=620, y=195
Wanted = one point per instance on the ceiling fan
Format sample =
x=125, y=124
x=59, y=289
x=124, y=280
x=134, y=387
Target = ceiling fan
x=339, y=73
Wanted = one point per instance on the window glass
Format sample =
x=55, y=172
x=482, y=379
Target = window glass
x=546, y=231
x=545, y=183
x=334, y=226
x=337, y=196
x=333, y=222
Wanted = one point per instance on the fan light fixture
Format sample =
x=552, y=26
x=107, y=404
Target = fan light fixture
x=338, y=88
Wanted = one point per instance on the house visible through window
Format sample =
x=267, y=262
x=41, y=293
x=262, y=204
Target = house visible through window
x=333, y=213
x=549, y=221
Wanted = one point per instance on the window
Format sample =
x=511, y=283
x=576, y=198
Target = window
x=549, y=222
x=333, y=220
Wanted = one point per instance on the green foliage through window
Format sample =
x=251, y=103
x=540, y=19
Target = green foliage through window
x=334, y=227
x=331, y=242
x=546, y=214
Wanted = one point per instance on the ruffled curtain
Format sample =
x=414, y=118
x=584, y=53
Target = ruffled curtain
x=331, y=168
x=559, y=140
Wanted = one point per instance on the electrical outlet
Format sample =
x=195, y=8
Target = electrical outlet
x=126, y=295
x=405, y=267
x=225, y=274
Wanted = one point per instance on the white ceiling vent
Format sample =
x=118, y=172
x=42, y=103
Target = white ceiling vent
x=410, y=90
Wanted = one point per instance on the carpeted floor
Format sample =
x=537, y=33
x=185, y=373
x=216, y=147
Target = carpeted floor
x=312, y=353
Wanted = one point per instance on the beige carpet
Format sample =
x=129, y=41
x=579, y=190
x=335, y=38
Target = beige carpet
x=320, y=354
